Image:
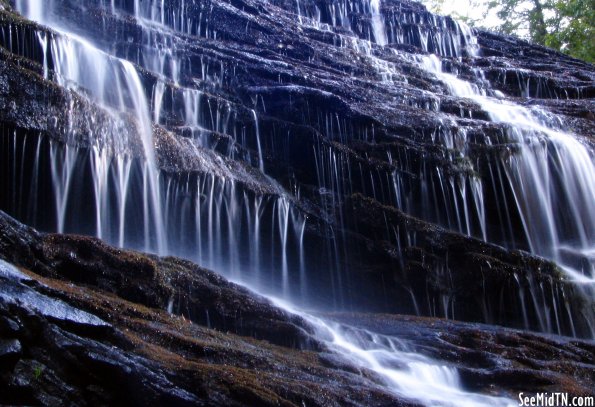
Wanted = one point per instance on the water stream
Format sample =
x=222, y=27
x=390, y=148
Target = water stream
x=202, y=217
x=553, y=174
x=406, y=372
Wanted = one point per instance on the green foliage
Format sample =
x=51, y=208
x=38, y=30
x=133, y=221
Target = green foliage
x=565, y=25
x=524, y=18
x=573, y=29
x=37, y=372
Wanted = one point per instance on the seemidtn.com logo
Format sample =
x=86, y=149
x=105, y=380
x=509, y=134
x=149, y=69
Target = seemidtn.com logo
x=555, y=400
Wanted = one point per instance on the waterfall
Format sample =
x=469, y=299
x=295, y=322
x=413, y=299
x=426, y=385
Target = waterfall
x=114, y=84
x=378, y=23
x=407, y=373
x=260, y=160
x=171, y=167
x=123, y=163
x=553, y=174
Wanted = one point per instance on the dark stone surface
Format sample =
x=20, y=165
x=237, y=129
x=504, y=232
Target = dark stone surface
x=470, y=275
x=10, y=351
x=311, y=94
x=85, y=339
x=491, y=358
x=84, y=323
x=195, y=293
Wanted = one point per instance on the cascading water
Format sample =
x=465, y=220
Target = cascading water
x=257, y=234
x=553, y=174
x=115, y=84
x=377, y=23
x=406, y=372
x=260, y=161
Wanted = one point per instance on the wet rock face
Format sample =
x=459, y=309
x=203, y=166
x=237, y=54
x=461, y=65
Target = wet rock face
x=490, y=358
x=463, y=277
x=86, y=338
x=291, y=146
x=298, y=147
x=162, y=283
x=56, y=353
x=538, y=72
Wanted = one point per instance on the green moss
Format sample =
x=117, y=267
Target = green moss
x=38, y=371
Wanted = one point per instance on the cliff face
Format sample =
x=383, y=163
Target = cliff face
x=298, y=131
x=344, y=155
x=83, y=323
x=86, y=324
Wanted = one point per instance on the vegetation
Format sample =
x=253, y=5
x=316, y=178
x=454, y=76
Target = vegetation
x=573, y=29
x=37, y=372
